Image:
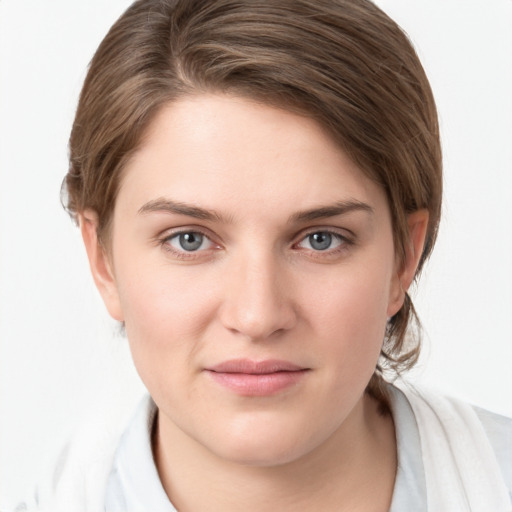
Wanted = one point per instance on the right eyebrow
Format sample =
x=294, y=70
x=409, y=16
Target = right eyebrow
x=164, y=205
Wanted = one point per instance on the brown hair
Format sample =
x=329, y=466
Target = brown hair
x=342, y=62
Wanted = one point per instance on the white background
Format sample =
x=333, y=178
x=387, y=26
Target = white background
x=61, y=358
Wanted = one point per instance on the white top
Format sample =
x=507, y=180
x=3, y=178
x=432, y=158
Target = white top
x=451, y=458
x=133, y=484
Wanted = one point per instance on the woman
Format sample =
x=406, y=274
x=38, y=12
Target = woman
x=257, y=185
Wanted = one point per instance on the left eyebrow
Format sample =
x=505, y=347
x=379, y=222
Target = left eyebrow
x=324, y=212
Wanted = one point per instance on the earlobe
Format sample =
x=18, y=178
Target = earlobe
x=417, y=224
x=100, y=265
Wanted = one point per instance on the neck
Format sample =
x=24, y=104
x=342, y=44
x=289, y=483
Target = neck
x=352, y=470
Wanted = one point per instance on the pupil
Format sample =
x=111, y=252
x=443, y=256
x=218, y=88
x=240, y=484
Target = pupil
x=191, y=241
x=320, y=241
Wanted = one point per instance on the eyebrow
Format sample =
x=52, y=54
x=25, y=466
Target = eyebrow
x=164, y=205
x=169, y=206
x=324, y=212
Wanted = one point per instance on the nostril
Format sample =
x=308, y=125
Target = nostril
x=256, y=322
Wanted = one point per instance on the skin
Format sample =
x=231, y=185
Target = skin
x=257, y=288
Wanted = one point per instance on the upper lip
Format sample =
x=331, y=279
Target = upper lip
x=255, y=367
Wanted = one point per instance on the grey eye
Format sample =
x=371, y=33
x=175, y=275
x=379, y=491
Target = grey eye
x=188, y=242
x=320, y=241
x=191, y=241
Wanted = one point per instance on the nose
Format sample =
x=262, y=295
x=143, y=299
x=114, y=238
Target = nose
x=257, y=299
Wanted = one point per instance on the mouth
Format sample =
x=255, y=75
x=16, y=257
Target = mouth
x=256, y=378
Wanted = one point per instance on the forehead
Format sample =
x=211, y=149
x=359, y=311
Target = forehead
x=224, y=151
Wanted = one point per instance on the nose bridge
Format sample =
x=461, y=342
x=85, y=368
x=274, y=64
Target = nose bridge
x=257, y=302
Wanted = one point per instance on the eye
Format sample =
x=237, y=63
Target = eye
x=189, y=241
x=321, y=241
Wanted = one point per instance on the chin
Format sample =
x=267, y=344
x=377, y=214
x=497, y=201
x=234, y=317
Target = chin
x=264, y=443
x=263, y=454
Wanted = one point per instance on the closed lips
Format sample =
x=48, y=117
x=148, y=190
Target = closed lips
x=262, y=378
x=255, y=367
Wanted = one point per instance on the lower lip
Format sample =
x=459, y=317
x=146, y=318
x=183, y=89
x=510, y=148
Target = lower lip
x=264, y=384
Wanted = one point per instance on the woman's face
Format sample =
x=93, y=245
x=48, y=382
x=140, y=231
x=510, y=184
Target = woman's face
x=253, y=265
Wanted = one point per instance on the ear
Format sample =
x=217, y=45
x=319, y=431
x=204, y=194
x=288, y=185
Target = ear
x=417, y=223
x=101, y=267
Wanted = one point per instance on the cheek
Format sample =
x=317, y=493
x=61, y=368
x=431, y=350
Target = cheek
x=165, y=310
x=354, y=302
x=351, y=315
x=168, y=298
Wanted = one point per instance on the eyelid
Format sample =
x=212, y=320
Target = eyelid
x=176, y=240
x=170, y=232
x=343, y=233
x=163, y=238
x=345, y=237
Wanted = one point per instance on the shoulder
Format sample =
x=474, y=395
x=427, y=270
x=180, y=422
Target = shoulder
x=462, y=447
x=499, y=433
x=454, y=414
x=80, y=474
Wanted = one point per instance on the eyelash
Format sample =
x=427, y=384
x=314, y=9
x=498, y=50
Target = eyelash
x=344, y=243
x=183, y=254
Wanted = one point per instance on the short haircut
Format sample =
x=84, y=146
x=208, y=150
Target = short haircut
x=343, y=63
